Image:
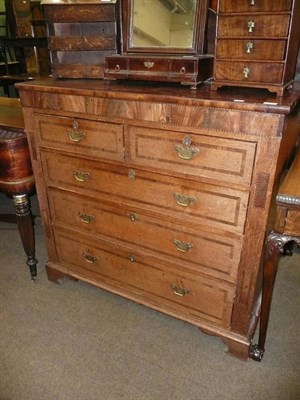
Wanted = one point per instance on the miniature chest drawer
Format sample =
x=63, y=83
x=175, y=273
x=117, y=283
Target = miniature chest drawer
x=160, y=238
x=251, y=49
x=192, y=155
x=87, y=138
x=256, y=25
x=185, y=294
x=176, y=199
x=249, y=71
x=230, y=6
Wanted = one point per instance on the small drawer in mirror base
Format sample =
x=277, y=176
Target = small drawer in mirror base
x=190, y=70
x=278, y=89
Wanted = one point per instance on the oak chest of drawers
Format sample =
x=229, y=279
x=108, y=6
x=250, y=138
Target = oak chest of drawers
x=257, y=43
x=159, y=194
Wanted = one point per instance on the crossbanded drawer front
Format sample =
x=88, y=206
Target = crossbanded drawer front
x=276, y=25
x=249, y=49
x=249, y=71
x=178, y=199
x=142, y=279
x=193, y=155
x=230, y=6
x=215, y=254
x=88, y=138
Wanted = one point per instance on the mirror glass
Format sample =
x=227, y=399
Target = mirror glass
x=162, y=23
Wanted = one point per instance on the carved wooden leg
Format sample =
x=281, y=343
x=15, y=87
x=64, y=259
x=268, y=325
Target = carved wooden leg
x=26, y=231
x=274, y=247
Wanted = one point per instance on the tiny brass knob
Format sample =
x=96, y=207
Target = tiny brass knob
x=182, y=70
x=117, y=67
x=132, y=217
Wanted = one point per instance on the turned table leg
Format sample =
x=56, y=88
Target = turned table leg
x=274, y=246
x=26, y=231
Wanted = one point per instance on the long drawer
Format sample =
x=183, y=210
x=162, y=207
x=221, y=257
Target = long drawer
x=168, y=288
x=193, y=248
x=197, y=156
x=87, y=138
x=178, y=199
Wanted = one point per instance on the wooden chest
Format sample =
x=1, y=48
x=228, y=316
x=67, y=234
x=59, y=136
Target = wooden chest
x=80, y=35
x=257, y=44
x=160, y=194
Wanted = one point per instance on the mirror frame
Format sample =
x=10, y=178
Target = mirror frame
x=198, y=37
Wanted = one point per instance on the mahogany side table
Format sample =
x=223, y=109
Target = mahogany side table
x=280, y=241
x=16, y=176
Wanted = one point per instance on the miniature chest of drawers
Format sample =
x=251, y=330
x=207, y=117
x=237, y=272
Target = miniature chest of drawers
x=257, y=43
x=159, y=194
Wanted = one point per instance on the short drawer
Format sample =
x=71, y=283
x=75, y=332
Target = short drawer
x=192, y=155
x=252, y=26
x=145, y=280
x=248, y=49
x=249, y=71
x=178, y=199
x=192, y=247
x=231, y=6
x=88, y=138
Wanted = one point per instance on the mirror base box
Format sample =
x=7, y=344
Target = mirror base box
x=190, y=70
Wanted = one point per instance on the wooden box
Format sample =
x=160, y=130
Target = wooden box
x=80, y=35
x=257, y=44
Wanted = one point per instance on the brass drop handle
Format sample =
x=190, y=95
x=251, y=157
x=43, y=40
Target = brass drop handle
x=246, y=72
x=178, y=290
x=252, y=3
x=182, y=246
x=186, y=152
x=182, y=70
x=89, y=258
x=251, y=25
x=184, y=200
x=86, y=218
x=149, y=64
x=117, y=68
x=81, y=176
x=75, y=136
x=249, y=47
